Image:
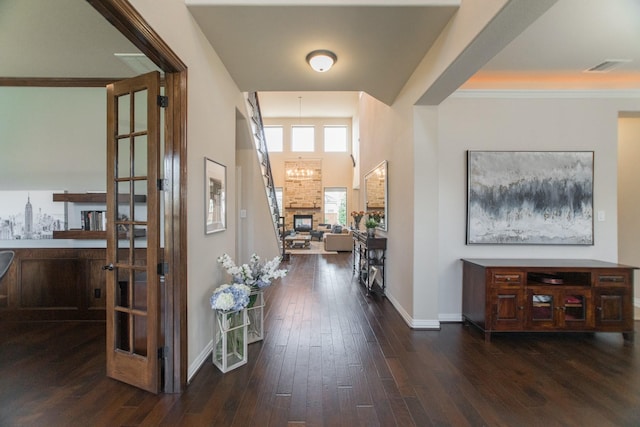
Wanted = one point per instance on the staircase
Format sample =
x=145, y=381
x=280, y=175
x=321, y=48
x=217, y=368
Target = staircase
x=263, y=157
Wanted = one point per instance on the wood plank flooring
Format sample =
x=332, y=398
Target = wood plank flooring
x=332, y=357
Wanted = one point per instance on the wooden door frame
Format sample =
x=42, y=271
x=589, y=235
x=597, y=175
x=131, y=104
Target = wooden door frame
x=131, y=24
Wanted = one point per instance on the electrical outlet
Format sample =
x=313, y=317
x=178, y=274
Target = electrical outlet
x=97, y=292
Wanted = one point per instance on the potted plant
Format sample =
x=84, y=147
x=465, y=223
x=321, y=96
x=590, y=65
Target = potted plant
x=371, y=225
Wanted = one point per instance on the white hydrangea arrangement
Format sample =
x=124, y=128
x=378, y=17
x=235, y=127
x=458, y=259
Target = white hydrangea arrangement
x=230, y=298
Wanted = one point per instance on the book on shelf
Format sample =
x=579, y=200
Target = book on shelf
x=93, y=220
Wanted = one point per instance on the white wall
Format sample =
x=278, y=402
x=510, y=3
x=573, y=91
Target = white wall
x=45, y=130
x=554, y=123
x=213, y=99
x=53, y=139
x=337, y=168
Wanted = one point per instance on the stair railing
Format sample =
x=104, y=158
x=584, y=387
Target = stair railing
x=265, y=165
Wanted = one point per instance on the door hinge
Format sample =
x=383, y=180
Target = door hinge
x=163, y=184
x=163, y=268
x=163, y=101
x=162, y=351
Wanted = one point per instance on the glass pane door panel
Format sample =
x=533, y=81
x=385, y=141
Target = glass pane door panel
x=123, y=254
x=140, y=209
x=140, y=335
x=574, y=308
x=124, y=159
x=139, y=240
x=122, y=294
x=123, y=210
x=121, y=331
x=140, y=110
x=124, y=116
x=542, y=307
x=140, y=156
x=140, y=291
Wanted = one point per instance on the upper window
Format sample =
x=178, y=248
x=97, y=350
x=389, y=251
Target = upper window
x=274, y=138
x=335, y=139
x=302, y=138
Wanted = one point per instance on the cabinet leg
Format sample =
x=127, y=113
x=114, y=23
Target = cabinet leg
x=487, y=337
x=628, y=336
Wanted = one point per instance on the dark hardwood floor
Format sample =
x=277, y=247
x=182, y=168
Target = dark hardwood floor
x=332, y=357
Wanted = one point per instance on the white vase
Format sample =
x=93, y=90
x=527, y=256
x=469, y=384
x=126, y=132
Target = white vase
x=371, y=232
x=255, y=312
x=230, y=339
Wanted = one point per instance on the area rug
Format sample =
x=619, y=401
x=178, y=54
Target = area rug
x=317, y=248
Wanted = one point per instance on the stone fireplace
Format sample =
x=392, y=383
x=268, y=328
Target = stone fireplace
x=302, y=190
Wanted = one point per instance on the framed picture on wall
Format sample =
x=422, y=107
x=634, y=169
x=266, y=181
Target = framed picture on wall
x=215, y=209
x=530, y=197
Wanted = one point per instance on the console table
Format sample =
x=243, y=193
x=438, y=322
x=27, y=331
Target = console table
x=369, y=255
x=547, y=295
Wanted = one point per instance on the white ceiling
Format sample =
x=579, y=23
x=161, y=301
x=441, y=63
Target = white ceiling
x=378, y=47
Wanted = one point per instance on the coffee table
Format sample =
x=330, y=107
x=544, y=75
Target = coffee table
x=297, y=241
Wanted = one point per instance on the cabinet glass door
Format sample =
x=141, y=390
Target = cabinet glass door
x=574, y=308
x=542, y=309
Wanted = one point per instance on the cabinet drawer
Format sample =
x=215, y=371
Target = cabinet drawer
x=612, y=279
x=507, y=278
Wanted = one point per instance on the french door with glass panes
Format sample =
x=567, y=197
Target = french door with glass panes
x=133, y=231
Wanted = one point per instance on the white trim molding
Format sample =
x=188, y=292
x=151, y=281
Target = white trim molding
x=566, y=94
x=410, y=321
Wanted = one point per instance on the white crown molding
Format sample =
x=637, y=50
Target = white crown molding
x=566, y=94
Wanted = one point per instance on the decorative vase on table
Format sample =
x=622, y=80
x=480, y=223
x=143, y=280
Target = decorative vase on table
x=255, y=313
x=371, y=232
x=230, y=339
x=357, y=217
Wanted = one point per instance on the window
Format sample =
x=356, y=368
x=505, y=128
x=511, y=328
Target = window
x=335, y=139
x=302, y=138
x=274, y=138
x=335, y=205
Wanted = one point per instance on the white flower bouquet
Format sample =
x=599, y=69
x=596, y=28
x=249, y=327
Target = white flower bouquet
x=255, y=274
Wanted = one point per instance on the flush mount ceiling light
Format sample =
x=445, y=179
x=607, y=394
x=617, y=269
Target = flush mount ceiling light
x=321, y=60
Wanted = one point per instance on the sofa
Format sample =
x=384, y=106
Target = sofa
x=340, y=242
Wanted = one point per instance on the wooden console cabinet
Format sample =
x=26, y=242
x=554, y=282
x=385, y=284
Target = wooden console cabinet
x=521, y=295
x=369, y=255
x=56, y=284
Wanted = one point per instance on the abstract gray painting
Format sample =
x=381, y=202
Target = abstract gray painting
x=530, y=197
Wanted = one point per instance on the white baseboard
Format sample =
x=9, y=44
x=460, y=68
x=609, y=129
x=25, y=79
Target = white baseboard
x=411, y=322
x=450, y=317
x=200, y=360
